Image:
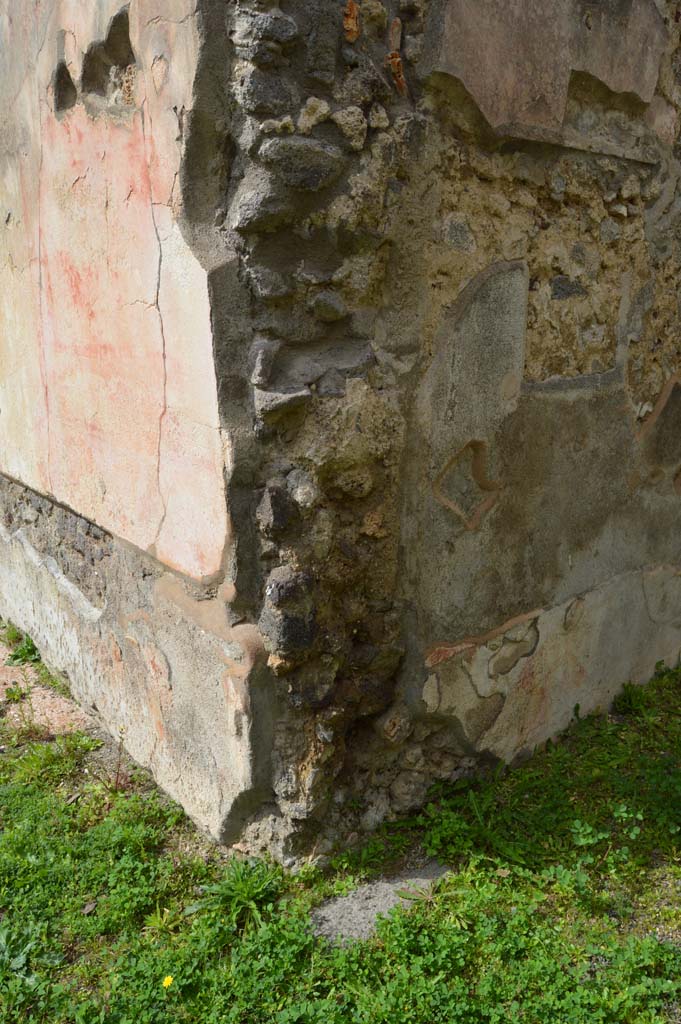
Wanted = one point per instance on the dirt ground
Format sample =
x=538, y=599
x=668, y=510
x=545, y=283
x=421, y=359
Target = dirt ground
x=42, y=706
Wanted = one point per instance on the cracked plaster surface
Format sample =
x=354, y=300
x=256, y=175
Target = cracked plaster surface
x=110, y=324
x=539, y=666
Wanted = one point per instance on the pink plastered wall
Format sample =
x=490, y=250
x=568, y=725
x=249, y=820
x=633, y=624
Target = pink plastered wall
x=108, y=398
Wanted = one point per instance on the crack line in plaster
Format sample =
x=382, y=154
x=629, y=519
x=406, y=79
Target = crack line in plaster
x=646, y=571
x=660, y=406
x=646, y=599
x=169, y=204
x=444, y=652
x=29, y=75
x=621, y=332
x=157, y=306
x=469, y=677
x=42, y=45
x=106, y=220
x=81, y=177
x=440, y=653
x=43, y=358
x=159, y=19
x=660, y=216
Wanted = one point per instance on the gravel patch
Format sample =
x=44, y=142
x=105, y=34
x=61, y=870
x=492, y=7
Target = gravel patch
x=354, y=916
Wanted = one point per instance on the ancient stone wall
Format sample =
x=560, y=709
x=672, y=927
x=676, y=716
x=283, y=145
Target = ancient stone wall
x=338, y=383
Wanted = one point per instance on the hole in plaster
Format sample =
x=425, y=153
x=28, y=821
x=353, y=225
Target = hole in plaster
x=109, y=67
x=65, y=92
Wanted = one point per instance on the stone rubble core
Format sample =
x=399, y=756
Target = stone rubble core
x=340, y=393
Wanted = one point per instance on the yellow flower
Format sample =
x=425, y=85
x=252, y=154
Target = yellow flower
x=167, y=981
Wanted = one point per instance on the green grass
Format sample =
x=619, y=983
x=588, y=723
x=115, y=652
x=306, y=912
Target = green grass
x=23, y=652
x=562, y=905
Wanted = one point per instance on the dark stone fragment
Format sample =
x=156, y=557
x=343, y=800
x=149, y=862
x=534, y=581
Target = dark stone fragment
x=351, y=57
x=265, y=94
x=276, y=511
x=262, y=54
x=285, y=586
x=271, y=406
x=368, y=695
x=287, y=621
x=257, y=210
x=563, y=288
x=387, y=662
x=305, y=164
x=275, y=27
x=662, y=438
x=268, y=284
x=314, y=685
x=364, y=84
x=286, y=635
x=362, y=655
x=325, y=33
x=328, y=306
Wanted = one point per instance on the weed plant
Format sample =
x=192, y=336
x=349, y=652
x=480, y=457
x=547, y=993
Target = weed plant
x=23, y=652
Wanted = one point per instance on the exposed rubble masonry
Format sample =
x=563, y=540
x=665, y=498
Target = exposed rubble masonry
x=340, y=430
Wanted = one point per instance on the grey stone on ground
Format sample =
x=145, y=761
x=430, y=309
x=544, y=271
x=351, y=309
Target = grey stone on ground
x=354, y=916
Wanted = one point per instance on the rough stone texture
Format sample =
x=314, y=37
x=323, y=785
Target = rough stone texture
x=339, y=384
